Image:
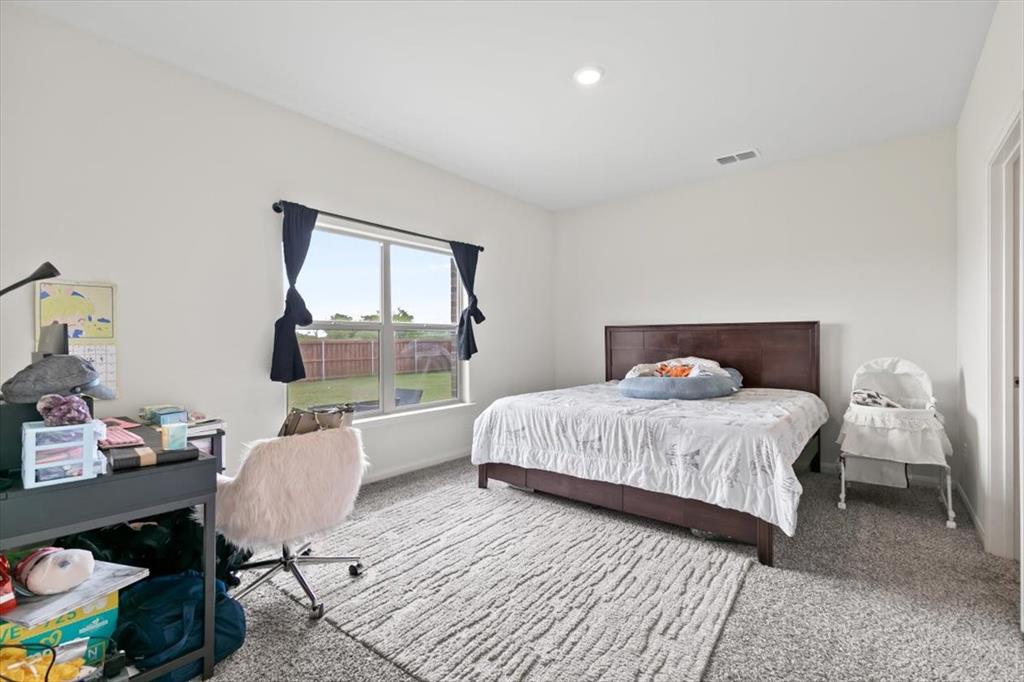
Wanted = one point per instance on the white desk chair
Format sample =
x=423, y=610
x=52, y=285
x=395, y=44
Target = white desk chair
x=288, y=490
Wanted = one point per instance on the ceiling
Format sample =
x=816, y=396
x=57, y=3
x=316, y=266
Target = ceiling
x=484, y=89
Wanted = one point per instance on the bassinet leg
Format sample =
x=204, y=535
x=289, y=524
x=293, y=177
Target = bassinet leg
x=842, y=482
x=951, y=515
x=816, y=460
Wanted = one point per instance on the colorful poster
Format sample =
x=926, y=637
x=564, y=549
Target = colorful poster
x=87, y=309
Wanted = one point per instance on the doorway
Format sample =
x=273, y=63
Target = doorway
x=1018, y=347
x=1002, y=471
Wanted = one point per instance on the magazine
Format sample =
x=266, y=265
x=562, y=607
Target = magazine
x=106, y=578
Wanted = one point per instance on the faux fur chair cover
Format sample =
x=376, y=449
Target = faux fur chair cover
x=291, y=488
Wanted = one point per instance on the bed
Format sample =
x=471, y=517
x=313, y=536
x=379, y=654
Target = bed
x=725, y=466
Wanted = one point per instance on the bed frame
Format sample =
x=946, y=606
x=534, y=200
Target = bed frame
x=768, y=354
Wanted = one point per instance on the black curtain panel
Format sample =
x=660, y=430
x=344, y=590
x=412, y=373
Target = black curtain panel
x=465, y=258
x=297, y=231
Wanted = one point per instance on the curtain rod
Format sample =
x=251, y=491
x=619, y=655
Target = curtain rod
x=278, y=208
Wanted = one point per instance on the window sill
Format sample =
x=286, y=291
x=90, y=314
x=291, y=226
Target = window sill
x=411, y=415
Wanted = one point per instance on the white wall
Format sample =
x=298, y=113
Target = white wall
x=118, y=168
x=861, y=240
x=992, y=102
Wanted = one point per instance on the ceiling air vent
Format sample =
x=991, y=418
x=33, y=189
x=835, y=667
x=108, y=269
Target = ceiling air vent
x=738, y=156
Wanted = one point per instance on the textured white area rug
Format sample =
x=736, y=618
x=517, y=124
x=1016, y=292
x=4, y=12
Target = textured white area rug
x=498, y=584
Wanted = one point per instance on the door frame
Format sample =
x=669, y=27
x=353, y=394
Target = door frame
x=999, y=502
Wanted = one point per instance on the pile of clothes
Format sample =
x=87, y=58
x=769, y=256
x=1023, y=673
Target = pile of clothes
x=864, y=396
x=678, y=368
x=165, y=544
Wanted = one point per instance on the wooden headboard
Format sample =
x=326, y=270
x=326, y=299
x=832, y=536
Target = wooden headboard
x=768, y=354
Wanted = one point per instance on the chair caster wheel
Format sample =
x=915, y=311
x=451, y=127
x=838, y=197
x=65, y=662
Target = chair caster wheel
x=950, y=524
x=306, y=552
x=317, y=612
x=841, y=505
x=356, y=569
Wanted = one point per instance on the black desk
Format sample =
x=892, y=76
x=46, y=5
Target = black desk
x=42, y=514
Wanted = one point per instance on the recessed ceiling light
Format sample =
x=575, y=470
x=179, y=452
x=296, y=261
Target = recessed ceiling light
x=588, y=76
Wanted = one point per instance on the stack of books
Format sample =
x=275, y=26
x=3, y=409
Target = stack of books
x=33, y=610
x=150, y=453
x=205, y=426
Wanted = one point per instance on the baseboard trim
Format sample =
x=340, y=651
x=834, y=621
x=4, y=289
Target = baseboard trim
x=381, y=474
x=970, y=512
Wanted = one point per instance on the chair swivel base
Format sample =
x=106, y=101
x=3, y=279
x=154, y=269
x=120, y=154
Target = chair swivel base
x=291, y=562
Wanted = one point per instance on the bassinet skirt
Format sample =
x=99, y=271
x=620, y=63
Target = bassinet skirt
x=898, y=435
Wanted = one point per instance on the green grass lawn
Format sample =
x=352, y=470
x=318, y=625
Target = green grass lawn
x=435, y=385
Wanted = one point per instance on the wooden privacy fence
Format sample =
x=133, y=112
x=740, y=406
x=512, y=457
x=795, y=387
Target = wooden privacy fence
x=341, y=358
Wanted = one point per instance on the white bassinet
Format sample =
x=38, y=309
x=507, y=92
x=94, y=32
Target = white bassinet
x=910, y=434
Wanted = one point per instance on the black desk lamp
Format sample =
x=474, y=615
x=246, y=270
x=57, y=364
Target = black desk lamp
x=44, y=271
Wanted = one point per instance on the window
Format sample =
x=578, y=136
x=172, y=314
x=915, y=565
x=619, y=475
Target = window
x=400, y=361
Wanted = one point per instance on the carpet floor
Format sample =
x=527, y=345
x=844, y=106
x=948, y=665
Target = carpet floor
x=882, y=591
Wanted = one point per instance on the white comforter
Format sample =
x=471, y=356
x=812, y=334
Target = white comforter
x=735, y=452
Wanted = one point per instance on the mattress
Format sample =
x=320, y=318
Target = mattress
x=735, y=452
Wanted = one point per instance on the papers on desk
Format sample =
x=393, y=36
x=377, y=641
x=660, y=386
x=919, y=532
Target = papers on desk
x=106, y=578
x=205, y=427
x=118, y=423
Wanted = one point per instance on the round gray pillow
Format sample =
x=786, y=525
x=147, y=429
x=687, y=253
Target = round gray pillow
x=682, y=388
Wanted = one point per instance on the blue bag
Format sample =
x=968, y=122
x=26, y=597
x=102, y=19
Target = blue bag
x=162, y=618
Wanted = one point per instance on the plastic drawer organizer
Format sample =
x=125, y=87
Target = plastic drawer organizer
x=59, y=454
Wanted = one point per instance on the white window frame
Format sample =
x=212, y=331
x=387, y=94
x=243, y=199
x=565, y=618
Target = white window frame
x=386, y=327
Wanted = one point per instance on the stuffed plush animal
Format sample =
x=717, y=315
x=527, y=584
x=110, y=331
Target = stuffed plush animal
x=60, y=410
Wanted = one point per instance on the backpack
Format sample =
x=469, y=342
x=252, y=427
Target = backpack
x=162, y=618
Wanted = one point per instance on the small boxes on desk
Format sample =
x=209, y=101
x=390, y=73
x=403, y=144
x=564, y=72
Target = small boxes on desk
x=58, y=454
x=174, y=436
x=161, y=415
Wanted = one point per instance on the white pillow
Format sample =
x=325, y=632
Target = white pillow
x=52, y=570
